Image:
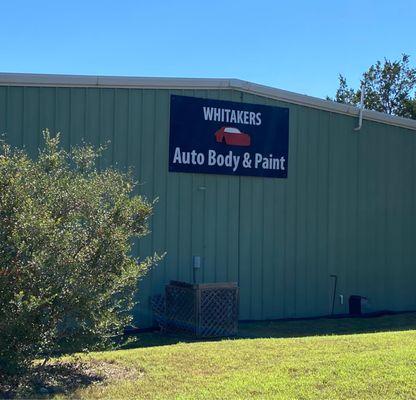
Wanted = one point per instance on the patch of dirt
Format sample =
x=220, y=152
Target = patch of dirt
x=110, y=370
x=64, y=378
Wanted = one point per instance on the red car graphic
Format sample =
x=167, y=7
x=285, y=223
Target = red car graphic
x=232, y=137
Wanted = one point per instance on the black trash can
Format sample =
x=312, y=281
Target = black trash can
x=355, y=303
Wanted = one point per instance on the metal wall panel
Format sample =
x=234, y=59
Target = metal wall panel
x=347, y=208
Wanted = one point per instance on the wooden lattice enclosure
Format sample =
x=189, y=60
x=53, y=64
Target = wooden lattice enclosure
x=204, y=309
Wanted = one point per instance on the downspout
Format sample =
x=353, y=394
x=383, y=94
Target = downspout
x=360, y=118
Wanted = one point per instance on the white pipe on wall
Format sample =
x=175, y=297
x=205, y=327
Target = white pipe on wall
x=360, y=118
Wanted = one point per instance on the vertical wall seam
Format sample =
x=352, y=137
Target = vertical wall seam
x=357, y=200
x=307, y=178
x=296, y=216
x=386, y=210
x=262, y=253
x=100, y=115
x=328, y=196
x=85, y=115
x=70, y=133
x=275, y=249
x=316, y=294
x=128, y=129
x=22, y=126
x=239, y=230
x=152, y=236
x=178, y=223
x=6, y=111
x=39, y=133
x=113, y=136
x=165, y=227
x=55, y=118
x=84, y=133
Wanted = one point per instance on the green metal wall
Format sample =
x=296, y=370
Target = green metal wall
x=347, y=207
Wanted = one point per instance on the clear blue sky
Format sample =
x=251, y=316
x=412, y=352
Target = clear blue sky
x=295, y=45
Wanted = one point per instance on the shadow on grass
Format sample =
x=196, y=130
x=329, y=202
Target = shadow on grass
x=289, y=329
x=46, y=381
x=66, y=377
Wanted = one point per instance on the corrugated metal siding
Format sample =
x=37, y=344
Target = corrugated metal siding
x=347, y=207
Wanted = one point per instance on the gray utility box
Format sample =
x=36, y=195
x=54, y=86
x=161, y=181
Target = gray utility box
x=204, y=309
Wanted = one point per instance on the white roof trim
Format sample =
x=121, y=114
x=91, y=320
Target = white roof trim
x=12, y=79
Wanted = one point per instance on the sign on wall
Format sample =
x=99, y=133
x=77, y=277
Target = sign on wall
x=225, y=137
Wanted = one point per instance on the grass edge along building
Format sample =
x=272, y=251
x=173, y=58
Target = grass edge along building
x=300, y=198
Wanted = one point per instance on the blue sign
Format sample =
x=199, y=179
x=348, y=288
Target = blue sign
x=225, y=137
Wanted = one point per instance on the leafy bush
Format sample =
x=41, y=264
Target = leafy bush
x=67, y=277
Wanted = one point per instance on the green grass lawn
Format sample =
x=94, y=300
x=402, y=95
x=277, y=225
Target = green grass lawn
x=319, y=359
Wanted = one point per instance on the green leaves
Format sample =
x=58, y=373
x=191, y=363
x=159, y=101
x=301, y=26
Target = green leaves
x=390, y=87
x=67, y=279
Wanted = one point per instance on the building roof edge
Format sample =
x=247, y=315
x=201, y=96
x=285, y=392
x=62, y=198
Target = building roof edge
x=25, y=79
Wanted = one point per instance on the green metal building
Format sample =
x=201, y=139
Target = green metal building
x=347, y=207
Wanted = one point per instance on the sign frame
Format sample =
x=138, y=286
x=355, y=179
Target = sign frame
x=228, y=138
